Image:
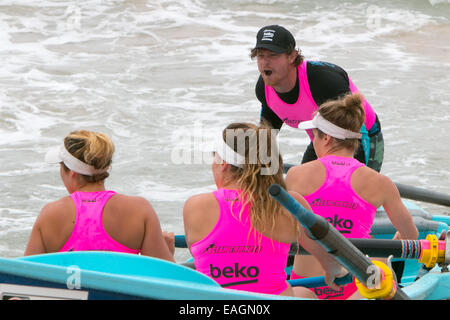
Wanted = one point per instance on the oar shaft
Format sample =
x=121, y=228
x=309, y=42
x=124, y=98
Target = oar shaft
x=424, y=195
x=314, y=282
x=180, y=241
x=329, y=238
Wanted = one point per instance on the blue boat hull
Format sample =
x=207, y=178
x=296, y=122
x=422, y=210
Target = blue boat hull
x=112, y=276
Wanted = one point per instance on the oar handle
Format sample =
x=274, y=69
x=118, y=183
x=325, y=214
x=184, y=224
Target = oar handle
x=180, y=241
x=314, y=282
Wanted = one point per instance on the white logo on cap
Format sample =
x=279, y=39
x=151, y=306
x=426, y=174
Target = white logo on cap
x=268, y=35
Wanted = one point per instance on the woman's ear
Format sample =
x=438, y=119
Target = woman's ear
x=73, y=174
x=327, y=139
x=224, y=166
x=76, y=179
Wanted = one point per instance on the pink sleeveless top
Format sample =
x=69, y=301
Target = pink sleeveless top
x=88, y=232
x=236, y=258
x=337, y=202
x=304, y=108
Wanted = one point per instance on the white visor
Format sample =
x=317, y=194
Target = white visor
x=228, y=154
x=329, y=128
x=60, y=154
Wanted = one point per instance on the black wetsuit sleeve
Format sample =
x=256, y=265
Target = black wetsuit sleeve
x=327, y=81
x=267, y=114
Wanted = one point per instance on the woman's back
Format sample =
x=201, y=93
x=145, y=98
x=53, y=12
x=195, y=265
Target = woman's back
x=236, y=255
x=123, y=218
x=338, y=187
x=309, y=177
x=91, y=217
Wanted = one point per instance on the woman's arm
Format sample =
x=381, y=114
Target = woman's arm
x=154, y=243
x=396, y=210
x=200, y=215
x=36, y=242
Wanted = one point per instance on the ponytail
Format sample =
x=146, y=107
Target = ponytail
x=252, y=178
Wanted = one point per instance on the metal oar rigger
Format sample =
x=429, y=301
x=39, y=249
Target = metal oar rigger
x=342, y=250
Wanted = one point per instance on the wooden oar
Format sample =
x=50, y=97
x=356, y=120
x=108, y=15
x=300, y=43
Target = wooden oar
x=331, y=240
x=410, y=192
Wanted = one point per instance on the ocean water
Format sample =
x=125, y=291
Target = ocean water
x=162, y=77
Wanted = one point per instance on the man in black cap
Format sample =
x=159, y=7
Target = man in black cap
x=290, y=90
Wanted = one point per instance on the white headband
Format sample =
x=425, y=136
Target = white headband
x=227, y=154
x=60, y=154
x=329, y=128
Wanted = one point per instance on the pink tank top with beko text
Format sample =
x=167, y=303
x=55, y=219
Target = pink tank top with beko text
x=237, y=258
x=337, y=202
x=88, y=232
x=305, y=106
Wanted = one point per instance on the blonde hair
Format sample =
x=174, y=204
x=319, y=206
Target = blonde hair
x=93, y=148
x=251, y=179
x=346, y=112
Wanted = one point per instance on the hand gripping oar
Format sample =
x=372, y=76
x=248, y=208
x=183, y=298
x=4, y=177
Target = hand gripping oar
x=335, y=243
x=410, y=192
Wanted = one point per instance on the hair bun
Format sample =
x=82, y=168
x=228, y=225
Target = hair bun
x=353, y=100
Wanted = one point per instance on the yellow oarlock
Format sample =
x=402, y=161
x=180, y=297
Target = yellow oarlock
x=432, y=254
x=385, y=287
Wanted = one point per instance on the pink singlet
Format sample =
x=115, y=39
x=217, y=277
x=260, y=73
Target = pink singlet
x=336, y=201
x=304, y=108
x=236, y=258
x=88, y=232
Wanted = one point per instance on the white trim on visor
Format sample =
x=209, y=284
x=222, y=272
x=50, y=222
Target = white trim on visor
x=60, y=154
x=329, y=128
x=228, y=154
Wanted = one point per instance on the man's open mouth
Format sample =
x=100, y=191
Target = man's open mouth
x=267, y=72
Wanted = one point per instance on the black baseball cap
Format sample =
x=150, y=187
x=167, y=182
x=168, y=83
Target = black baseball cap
x=274, y=38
